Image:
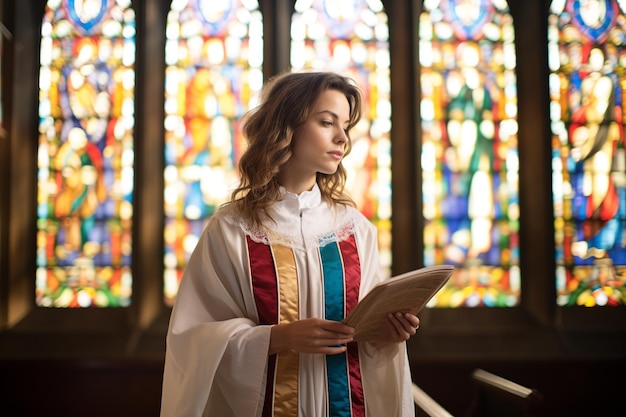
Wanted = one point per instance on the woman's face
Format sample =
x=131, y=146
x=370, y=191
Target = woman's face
x=318, y=145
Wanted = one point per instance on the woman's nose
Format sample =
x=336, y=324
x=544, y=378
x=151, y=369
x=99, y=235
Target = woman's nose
x=342, y=136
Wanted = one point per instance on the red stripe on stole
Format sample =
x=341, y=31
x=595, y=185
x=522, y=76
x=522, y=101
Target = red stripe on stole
x=265, y=289
x=264, y=283
x=352, y=271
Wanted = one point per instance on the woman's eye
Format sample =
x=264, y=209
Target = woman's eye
x=327, y=123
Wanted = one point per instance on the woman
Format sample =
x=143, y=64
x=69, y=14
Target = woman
x=256, y=328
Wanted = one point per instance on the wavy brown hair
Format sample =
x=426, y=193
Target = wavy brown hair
x=286, y=103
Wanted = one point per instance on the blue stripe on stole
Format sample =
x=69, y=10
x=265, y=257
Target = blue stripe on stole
x=334, y=299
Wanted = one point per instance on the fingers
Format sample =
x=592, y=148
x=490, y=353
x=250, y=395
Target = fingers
x=331, y=350
x=336, y=327
x=413, y=320
x=408, y=320
x=397, y=324
x=315, y=336
x=330, y=341
x=333, y=336
x=405, y=324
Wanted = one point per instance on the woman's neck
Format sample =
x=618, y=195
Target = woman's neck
x=296, y=185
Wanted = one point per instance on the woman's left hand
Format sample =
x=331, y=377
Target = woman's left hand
x=400, y=327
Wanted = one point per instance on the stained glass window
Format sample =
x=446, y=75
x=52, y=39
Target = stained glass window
x=214, y=58
x=85, y=154
x=351, y=37
x=587, y=64
x=469, y=156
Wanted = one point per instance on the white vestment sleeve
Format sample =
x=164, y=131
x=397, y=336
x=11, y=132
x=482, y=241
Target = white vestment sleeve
x=211, y=347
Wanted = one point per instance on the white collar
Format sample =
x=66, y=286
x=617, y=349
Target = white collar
x=306, y=199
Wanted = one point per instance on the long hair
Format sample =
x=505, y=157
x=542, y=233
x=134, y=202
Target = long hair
x=286, y=103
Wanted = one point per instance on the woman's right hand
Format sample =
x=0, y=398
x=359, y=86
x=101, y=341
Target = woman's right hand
x=312, y=335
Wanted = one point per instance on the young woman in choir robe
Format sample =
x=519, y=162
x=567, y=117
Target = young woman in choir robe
x=256, y=327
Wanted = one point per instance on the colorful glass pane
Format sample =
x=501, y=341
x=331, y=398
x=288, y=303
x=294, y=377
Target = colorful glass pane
x=587, y=78
x=351, y=37
x=469, y=156
x=214, y=58
x=85, y=154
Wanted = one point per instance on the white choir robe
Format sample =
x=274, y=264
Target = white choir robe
x=317, y=261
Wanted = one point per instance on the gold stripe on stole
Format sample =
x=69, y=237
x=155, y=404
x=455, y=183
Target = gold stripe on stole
x=286, y=379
